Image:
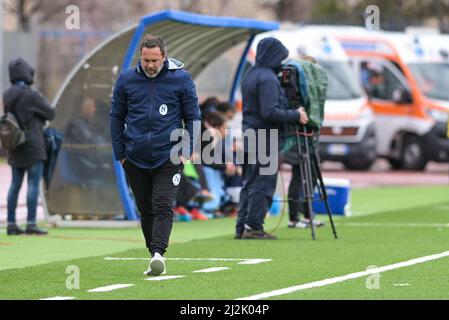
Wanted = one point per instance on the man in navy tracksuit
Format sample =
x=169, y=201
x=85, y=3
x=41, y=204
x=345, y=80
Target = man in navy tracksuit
x=265, y=106
x=149, y=102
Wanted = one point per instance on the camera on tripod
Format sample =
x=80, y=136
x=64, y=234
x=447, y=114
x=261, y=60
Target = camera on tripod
x=289, y=80
x=305, y=85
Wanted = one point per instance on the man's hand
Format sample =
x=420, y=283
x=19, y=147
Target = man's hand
x=303, y=118
x=185, y=160
x=230, y=169
x=195, y=157
x=122, y=162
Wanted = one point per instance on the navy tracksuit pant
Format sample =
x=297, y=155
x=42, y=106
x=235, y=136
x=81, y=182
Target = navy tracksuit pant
x=256, y=197
x=155, y=191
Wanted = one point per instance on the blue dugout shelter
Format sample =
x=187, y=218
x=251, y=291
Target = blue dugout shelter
x=87, y=180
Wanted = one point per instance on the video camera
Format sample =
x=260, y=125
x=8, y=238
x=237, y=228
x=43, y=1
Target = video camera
x=305, y=85
x=289, y=80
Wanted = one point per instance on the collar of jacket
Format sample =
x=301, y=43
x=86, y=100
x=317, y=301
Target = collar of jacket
x=169, y=64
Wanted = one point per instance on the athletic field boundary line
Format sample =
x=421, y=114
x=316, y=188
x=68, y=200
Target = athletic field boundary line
x=326, y=282
x=239, y=260
x=393, y=224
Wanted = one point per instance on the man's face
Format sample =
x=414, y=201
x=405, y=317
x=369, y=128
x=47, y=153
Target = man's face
x=377, y=79
x=230, y=115
x=88, y=108
x=152, y=60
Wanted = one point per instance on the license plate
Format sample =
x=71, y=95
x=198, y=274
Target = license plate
x=338, y=149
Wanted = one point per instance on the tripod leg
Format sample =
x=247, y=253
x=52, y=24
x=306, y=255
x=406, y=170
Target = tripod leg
x=305, y=174
x=303, y=177
x=321, y=186
x=305, y=170
x=310, y=199
x=309, y=178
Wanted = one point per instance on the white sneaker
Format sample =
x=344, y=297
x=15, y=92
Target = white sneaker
x=298, y=224
x=317, y=223
x=157, y=266
x=305, y=223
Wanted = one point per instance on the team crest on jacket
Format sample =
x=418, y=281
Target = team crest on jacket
x=176, y=179
x=163, y=109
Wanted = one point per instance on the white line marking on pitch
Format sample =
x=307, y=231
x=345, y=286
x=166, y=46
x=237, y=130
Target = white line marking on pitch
x=59, y=298
x=124, y=259
x=242, y=261
x=254, y=261
x=208, y=270
x=401, y=285
x=164, y=278
x=110, y=288
x=411, y=225
x=445, y=208
x=350, y=276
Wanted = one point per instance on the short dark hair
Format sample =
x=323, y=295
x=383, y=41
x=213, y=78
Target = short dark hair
x=224, y=107
x=214, y=119
x=209, y=105
x=151, y=41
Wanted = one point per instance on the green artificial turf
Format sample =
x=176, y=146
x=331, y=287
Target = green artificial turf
x=35, y=267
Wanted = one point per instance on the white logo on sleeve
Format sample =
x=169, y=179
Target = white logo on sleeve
x=176, y=179
x=163, y=109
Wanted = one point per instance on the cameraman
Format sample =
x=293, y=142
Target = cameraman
x=264, y=107
x=295, y=204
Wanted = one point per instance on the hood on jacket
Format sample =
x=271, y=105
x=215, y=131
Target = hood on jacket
x=169, y=64
x=20, y=70
x=270, y=53
x=174, y=64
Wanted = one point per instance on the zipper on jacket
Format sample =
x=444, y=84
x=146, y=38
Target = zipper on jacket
x=151, y=109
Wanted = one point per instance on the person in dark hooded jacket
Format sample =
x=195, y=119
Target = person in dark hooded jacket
x=150, y=102
x=31, y=109
x=265, y=106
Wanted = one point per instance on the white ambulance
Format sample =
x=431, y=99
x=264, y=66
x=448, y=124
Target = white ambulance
x=406, y=77
x=347, y=134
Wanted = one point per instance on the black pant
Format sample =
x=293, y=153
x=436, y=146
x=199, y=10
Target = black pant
x=256, y=197
x=155, y=191
x=295, y=193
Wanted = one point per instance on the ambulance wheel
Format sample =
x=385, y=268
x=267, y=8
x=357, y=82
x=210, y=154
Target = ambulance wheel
x=358, y=164
x=413, y=157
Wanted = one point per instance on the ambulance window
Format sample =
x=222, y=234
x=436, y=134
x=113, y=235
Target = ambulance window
x=391, y=84
x=342, y=84
x=398, y=67
x=432, y=79
x=379, y=81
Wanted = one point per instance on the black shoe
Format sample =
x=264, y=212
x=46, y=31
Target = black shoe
x=254, y=234
x=14, y=230
x=33, y=229
x=238, y=236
